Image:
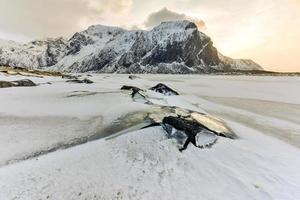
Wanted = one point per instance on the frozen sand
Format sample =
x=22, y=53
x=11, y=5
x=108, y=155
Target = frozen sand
x=144, y=164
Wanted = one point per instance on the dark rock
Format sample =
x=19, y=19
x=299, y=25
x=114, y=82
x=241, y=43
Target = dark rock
x=183, y=124
x=153, y=124
x=132, y=88
x=74, y=81
x=19, y=83
x=6, y=84
x=191, y=128
x=66, y=76
x=87, y=81
x=24, y=83
x=132, y=77
x=163, y=89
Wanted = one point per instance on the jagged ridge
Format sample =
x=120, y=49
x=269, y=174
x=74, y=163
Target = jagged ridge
x=171, y=47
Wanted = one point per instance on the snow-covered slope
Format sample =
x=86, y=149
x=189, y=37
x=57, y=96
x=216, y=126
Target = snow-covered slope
x=238, y=64
x=5, y=43
x=33, y=55
x=171, y=47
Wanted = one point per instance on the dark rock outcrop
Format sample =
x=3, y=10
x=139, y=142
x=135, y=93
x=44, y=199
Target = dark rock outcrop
x=163, y=89
x=19, y=83
x=87, y=81
x=183, y=125
x=132, y=77
x=67, y=76
x=132, y=88
x=190, y=128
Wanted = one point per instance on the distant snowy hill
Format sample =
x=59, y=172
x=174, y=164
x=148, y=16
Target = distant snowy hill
x=171, y=47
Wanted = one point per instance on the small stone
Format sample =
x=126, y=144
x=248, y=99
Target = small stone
x=132, y=77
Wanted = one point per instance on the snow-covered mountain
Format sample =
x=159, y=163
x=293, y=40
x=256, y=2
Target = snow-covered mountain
x=171, y=47
x=36, y=54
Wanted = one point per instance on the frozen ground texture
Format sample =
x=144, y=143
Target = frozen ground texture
x=262, y=164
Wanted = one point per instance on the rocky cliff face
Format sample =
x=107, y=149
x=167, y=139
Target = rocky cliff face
x=171, y=47
x=36, y=54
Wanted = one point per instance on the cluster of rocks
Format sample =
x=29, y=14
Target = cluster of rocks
x=76, y=79
x=85, y=80
x=18, y=83
x=185, y=126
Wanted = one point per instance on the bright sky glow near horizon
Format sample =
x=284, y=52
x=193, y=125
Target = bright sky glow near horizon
x=266, y=31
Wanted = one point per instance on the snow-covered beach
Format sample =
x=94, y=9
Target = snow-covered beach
x=263, y=163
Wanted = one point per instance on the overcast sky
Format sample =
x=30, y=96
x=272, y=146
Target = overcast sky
x=267, y=31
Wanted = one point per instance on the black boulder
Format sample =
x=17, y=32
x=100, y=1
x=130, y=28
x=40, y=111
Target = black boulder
x=163, y=89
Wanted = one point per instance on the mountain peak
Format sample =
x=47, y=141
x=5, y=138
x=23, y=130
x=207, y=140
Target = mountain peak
x=96, y=29
x=177, y=25
x=171, y=47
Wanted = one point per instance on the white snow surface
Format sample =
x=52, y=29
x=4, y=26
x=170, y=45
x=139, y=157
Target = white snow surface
x=263, y=163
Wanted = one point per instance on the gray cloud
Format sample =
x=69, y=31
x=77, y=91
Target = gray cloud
x=164, y=14
x=44, y=18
